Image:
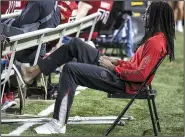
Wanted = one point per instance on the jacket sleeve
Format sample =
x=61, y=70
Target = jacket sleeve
x=150, y=58
x=121, y=62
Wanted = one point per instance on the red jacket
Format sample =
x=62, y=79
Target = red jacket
x=12, y=6
x=68, y=9
x=104, y=7
x=142, y=63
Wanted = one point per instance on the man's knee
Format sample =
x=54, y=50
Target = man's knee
x=76, y=44
x=75, y=41
x=68, y=67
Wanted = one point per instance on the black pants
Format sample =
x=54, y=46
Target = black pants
x=84, y=72
x=28, y=55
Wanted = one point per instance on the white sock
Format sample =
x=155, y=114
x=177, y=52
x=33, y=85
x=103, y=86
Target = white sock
x=179, y=23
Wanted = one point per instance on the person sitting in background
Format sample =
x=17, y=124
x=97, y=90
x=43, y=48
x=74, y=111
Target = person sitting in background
x=34, y=11
x=68, y=13
x=96, y=71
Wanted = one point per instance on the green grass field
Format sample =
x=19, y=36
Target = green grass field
x=169, y=82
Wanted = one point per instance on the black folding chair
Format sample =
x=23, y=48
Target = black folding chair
x=111, y=41
x=144, y=92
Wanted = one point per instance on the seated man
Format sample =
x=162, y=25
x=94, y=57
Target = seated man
x=99, y=72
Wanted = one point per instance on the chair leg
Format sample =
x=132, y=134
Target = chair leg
x=152, y=117
x=120, y=51
x=105, y=51
x=112, y=51
x=115, y=123
x=22, y=103
x=117, y=52
x=156, y=115
x=2, y=93
x=120, y=116
x=21, y=96
x=45, y=85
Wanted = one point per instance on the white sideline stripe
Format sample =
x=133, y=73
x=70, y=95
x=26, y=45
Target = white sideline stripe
x=77, y=92
x=6, y=135
x=21, y=129
x=47, y=111
x=81, y=88
x=24, y=127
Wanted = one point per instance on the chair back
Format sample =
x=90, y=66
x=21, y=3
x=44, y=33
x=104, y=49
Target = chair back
x=151, y=74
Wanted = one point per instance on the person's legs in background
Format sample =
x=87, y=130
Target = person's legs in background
x=180, y=14
x=8, y=99
x=126, y=37
x=8, y=95
x=129, y=38
x=171, y=3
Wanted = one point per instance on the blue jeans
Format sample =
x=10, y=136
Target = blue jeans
x=127, y=43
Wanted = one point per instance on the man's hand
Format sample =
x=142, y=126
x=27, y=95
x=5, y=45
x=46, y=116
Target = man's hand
x=113, y=61
x=106, y=64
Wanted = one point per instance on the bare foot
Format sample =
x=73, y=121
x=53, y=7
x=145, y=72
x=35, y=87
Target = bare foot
x=29, y=73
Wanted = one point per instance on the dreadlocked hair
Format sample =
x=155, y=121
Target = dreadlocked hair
x=161, y=16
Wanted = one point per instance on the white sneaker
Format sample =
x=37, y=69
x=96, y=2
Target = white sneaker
x=52, y=127
x=179, y=28
x=8, y=104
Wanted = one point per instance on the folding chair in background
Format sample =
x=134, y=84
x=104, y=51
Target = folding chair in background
x=7, y=71
x=113, y=41
x=108, y=39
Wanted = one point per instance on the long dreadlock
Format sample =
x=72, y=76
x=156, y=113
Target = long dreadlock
x=161, y=18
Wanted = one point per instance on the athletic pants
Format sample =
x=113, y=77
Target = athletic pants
x=85, y=72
